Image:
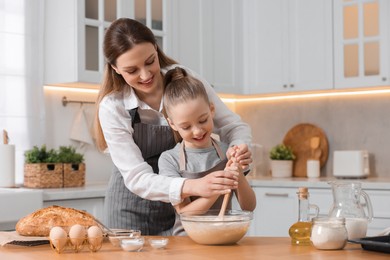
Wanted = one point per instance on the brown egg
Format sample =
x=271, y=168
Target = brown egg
x=95, y=236
x=77, y=234
x=58, y=237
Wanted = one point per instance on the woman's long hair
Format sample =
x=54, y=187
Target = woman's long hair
x=122, y=35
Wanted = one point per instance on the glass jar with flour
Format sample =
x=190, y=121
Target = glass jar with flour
x=329, y=233
x=347, y=203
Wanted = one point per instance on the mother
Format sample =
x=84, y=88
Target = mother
x=132, y=128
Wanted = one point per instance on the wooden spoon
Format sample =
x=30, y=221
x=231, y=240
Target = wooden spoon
x=227, y=195
x=5, y=137
x=224, y=205
x=314, y=144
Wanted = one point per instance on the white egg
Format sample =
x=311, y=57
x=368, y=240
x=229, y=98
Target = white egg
x=58, y=237
x=77, y=234
x=95, y=236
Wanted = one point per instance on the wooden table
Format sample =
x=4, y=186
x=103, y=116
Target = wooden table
x=183, y=248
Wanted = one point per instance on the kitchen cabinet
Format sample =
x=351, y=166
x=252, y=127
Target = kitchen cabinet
x=361, y=43
x=277, y=208
x=74, y=32
x=17, y=203
x=256, y=47
x=94, y=206
x=276, y=211
x=287, y=46
x=207, y=38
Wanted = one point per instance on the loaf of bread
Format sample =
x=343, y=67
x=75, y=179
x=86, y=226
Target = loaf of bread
x=41, y=221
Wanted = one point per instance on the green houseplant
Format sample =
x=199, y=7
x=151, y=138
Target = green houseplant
x=281, y=152
x=282, y=158
x=74, y=166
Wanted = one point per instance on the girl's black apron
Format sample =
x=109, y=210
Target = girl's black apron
x=196, y=175
x=125, y=210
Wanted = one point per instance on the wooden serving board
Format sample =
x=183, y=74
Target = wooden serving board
x=299, y=138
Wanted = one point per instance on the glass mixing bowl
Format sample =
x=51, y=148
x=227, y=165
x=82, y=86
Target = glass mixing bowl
x=207, y=228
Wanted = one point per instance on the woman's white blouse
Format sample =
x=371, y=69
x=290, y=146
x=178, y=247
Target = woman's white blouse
x=125, y=154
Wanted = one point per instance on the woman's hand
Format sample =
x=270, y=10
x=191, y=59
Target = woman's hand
x=242, y=154
x=215, y=183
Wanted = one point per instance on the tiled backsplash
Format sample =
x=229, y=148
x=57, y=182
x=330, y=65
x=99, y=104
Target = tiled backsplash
x=349, y=122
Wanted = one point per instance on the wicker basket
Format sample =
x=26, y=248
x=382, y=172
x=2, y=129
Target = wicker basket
x=74, y=175
x=43, y=175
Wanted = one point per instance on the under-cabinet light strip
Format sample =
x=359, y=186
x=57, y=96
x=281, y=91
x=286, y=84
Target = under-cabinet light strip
x=70, y=89
x=305, y=95
x=259, y=98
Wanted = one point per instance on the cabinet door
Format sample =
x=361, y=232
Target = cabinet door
x=265, y=35
x=288, y=46
x=276, y=211
x=310, y=49
x=361, y=30
x=207, y=38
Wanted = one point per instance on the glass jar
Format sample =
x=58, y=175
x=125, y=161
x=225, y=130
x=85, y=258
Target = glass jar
x=329, y=233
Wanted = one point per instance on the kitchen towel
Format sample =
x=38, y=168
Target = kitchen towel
x=7, y=165
x=13, y=238
x=80, y=130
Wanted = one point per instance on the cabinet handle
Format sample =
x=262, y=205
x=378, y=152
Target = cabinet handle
x=291, y=85
x=285, y=86
x=384, y=79
x=269, y=194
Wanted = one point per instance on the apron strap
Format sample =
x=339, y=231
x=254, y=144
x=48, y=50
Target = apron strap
x=134, y=116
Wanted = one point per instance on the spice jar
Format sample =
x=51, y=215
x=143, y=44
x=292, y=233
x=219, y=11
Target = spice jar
x=329, y=233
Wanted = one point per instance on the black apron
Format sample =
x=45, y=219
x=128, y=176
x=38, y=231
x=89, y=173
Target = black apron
x=124, y=209
x=178, y=229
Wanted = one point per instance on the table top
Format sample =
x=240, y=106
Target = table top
x=184, y=248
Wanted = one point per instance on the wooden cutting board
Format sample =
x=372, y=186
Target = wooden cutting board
x=299, y=138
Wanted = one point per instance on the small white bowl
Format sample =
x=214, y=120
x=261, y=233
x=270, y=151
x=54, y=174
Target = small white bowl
x=159, y=243
x=133, y=244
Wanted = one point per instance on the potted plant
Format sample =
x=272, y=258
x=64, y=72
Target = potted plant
x=74, y=166
x=53, y=168
x=42, y=168
x=282, y=158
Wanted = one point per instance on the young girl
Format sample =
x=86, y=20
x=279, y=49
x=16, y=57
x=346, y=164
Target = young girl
x=132, y=129
x=190, y=114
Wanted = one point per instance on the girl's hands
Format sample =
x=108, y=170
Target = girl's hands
x=215, y=183
x=241, y=153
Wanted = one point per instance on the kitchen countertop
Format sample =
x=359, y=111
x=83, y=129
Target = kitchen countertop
x=184, y=248
x=94, y=190
x=378, y=183
x=97, y=190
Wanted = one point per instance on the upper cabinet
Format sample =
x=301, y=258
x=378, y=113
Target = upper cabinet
x=74, y=33
x=207, y=38
x=361, y=32
x=287, y=46
x=256, y=46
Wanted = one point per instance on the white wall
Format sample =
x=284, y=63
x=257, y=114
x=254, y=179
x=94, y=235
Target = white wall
x=59, y=120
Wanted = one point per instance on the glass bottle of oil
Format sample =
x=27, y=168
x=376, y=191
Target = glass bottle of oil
x=301, y=230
